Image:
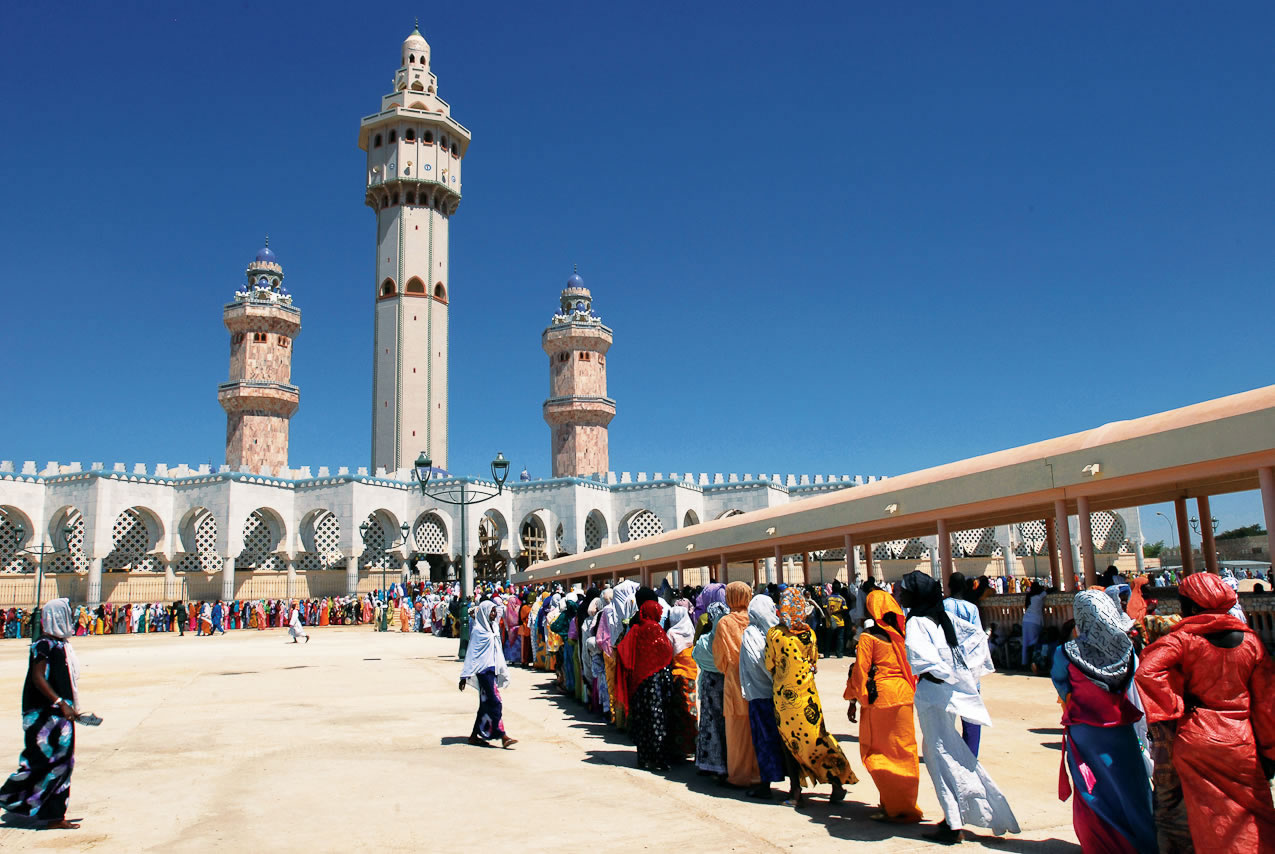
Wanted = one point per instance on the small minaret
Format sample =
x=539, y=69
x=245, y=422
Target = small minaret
x=260, y=397
x=578, y=409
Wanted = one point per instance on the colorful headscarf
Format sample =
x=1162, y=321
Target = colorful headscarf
x=1215, y=599
x=1102, y=648
x=792, y=611
x=1137, y=605
x=738, y=595
x=644, y=651
x=880, y=604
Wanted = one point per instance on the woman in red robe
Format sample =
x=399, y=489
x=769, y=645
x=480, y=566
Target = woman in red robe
x=1213, y=678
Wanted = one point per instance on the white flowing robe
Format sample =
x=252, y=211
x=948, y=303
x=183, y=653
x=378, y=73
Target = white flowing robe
x=965, y=791
x=295, y=629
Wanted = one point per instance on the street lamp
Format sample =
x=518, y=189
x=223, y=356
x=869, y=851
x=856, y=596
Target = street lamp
x=460, y=492
x=1173, y=532
x=366, y=531
x=1195, y=524
x=44, y=549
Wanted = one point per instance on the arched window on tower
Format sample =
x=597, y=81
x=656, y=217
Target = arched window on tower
x=440, y=292
x=455, y=150
x=415, y=286
x=393, y=136
x=376, y=141
x=411, y=58
x=387, y=288
x=409, y=135
x=429, y=137
x=417, y=87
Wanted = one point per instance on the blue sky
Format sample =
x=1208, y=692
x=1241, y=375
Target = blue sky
x=829, y=237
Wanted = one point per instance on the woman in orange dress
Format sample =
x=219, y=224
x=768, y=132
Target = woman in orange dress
x=881, y=682
x=741, y=759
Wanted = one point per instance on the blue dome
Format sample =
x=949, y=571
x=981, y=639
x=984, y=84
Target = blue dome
x=575, y=281
x=266, y=255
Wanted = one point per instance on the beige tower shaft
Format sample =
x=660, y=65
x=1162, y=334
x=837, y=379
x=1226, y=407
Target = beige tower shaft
x=414, y=151
x=259, y=398
x=578, y=410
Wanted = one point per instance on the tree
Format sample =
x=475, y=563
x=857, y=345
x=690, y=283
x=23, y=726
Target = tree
x=1246, y=531
x=1152, y=549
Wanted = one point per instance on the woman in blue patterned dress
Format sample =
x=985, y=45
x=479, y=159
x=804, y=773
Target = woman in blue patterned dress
x=39, y=789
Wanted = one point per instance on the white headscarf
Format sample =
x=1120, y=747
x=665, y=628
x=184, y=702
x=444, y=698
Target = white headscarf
x=623, y=606
x=681, y=632
x=484, y=648
x=1101, y=649
x=754, y=678
x=56, y=622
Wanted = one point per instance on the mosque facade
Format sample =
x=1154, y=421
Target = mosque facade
x=259, y=527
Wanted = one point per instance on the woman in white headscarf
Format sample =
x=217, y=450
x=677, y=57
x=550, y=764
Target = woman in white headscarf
x=485, y=669
x=758, y=687
x=41, y=786
x=622, y=608
x=683, y=726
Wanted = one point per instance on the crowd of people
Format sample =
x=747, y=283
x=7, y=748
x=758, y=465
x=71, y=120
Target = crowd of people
x=1169, y=722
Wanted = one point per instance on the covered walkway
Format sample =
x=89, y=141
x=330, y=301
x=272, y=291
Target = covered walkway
x=1219, y=446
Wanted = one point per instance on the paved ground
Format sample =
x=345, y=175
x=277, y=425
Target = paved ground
x=356, y=742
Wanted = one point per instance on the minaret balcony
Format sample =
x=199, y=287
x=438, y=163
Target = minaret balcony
x=381, y=193
x=273, y=398
x=584, y=410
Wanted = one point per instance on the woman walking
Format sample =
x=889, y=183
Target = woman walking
x=39, y=789
x=682, y=717
x=1093, y=674
x=792, y=657
x=758, y=687
x=646, y=685
x=485, y=669
x=728, y=637
x=882, y=685
x=710, y=740
x=946, y=691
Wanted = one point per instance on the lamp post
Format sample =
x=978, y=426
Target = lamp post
x=1173, y=534
x=44, y=549
x=366, y=530
x=460, y=492
x=1195, y=524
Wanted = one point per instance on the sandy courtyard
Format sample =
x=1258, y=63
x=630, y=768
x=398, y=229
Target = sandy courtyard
x=355, y=742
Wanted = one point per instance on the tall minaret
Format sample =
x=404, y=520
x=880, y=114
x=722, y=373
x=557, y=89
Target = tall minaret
x=578, y=409
x=414, y=148
x=259, y=399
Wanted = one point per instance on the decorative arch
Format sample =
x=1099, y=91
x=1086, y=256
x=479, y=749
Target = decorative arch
x=429, y=534
x=440, y=292
x=197, y=533
x=417, y=105
x=66, y=533
x=691, y=518
x=415, y=286
x=640, y=524
x=379, y=541
x=388, y=289
x=11, y=542
x=595, y=530
x=409, y=135
x=263, y=535
x=321, y=539
x=376, y=141
x=417, y=86
x=732, y=512
x=429, y=137
x=134, y=536
x=533, y=538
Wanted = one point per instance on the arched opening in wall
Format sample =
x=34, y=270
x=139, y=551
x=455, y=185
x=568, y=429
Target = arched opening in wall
x=534, y=541
x=491, y=563
x=595, y=530
x=455, y=150
x=134, y=536
x=417, y=105
x=440, y=292
x=376, y=141
x=690, y=519
x=558, y=550
x=263, y=533
x=381, y=534
x=731, y=512
x=417, y=87
x=640, y=524
x=411, y=58
x=388, y=289
x=15, y=532
x=66, y=533
x=409, y=135
x=415, y=286
x=429, y=137
x=197, y=532
x=393, y=136
x=321, y=541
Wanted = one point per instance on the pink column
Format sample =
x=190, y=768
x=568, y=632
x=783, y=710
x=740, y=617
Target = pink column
x=1062, y=532
x=756, y=572
x=851, y=568
x=805, y=567
x=869, y=568
x=1051, y=543
x=1086, y=541
x=1207, y=544
x=724, y=578
x=779, y=566
x=1184, y=537
x=1266, y=476
x=944, y=546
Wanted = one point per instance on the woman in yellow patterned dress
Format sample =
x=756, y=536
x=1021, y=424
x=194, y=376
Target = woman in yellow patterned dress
x=792, y=657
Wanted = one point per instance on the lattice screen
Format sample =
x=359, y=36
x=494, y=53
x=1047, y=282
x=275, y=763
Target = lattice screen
x=913, y=549
x=378, y=539
x=1109, y=535
x=642, y=524
x=977, y=542
x=1032, y=536
x=594, y=531
x=130, y=540
x=17, y=564
x=309, y=562
x=430, y=536
x=260, y=539
x=9, y=539
x=557, y=540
